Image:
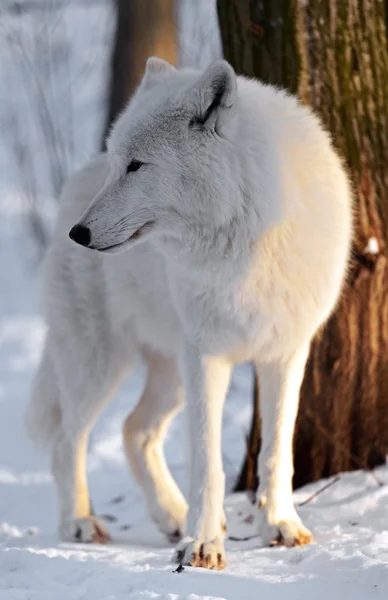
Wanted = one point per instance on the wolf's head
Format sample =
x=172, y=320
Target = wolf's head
x=173, y=164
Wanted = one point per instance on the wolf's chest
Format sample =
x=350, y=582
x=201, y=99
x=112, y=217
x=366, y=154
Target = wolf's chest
x=211, y=316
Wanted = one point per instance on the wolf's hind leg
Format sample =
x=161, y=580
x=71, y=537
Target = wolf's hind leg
x=144, y=433
x=85, y=386
x=77, y=524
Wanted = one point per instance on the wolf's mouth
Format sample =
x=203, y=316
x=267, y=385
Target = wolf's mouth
x=132, y=238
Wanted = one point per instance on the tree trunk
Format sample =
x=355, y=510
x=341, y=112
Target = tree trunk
x=248, y=478
x=143, y=29
x=334, y=56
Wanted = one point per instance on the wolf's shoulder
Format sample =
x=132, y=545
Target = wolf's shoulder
x=272, y=104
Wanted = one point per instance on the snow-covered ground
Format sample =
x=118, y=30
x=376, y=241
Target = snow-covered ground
x=349, y=520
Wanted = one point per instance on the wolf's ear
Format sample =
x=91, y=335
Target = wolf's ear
x=155, y=66
x=215, y=94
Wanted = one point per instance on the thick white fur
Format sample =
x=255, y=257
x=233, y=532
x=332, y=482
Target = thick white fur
x=243, y=217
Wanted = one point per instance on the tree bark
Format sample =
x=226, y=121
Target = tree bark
x=143, y=29
x=334, y=55
x=248, y=477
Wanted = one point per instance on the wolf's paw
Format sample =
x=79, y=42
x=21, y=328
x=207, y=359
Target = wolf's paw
x=196, y=553
x=85, y=531
x=289, y=533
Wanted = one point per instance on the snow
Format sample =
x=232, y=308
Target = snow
x=372, y=246
x=349, y=519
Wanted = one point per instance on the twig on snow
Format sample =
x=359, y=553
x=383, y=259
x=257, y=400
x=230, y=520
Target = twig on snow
x=323, y=489
x=179, y=568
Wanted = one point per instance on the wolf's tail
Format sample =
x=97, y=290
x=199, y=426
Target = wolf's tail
x=43, y=416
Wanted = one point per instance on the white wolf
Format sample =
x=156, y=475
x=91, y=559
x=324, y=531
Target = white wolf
x=236, y=214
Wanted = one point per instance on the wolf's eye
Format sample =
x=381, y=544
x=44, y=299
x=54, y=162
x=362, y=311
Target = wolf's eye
x=134, y=165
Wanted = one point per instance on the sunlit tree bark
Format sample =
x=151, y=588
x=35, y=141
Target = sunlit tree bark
x=333, y=55
x=143, y=29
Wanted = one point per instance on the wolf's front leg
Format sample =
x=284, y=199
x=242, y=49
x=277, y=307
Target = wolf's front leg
x=279, y=399
x=206, y=380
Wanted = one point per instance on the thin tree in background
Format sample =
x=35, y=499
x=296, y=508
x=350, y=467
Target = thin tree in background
x=334, y=56
x=143, y=29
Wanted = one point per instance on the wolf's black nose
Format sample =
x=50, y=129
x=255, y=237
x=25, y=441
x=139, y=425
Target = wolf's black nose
x=80, y=234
